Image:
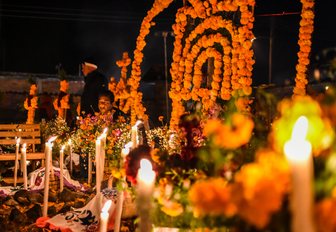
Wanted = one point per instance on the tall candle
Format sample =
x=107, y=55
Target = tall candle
x=24, y=165
x=124, y=153
x=16, y=160
x=98, y=164
x=61, y=160
x=89, y=169
x=104, y=216
x=48, y=153
x=145, y=185
x=102, y=153
x=70, y=155
x=298, y=154
x=134, y=134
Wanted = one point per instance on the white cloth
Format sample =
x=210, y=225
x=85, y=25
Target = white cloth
x=83, y=219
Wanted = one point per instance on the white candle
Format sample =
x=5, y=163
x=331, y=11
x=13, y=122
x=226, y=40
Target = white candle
x=89, y=169
x=145, y=185
x=16, y=160
x=124, y=152
x=48, y=153
x=298, y=154
x=134, y=134
x=98, y=153
x=104, y=216
x=24, y=165
x=61, y=160
x=102, y=153
x=100, y=159
x=70, y=155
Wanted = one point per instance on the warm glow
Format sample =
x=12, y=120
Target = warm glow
x=69, y=142
x=52, y=139
x=62, y=148
x=18, y=140
x=137, y=123
x=106, y=206
x=298, y=149
x=24, y=146
x=145, y=164
x=145, y=172
x=125, y=151
x=300, y=129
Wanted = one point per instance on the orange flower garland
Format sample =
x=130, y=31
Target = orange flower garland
x=31, y=104
x=305, y=33
x=138, y=110
x=237, y=58
x=61, y=103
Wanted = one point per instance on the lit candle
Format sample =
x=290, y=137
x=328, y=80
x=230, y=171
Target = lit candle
x=134, y=134
x=98, y=153
x=100, y=159
x=145, y=185
x=24, y=165
x=124, y=153
x=102, y=153
x=104, y=216
x=16, y=160
x=48, y=153
x=298, y=154
x=61, y=168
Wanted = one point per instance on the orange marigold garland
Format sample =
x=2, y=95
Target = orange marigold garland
x=237, y=57
x=305, y=33
x=138, y=110
x=61, y=103
x=31, y=103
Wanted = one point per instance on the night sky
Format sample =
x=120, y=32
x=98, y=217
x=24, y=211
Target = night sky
x=38, y=35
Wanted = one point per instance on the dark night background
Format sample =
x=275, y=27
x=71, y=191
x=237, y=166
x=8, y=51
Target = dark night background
x=38, y=35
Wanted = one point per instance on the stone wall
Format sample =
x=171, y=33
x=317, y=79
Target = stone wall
x=14, y=88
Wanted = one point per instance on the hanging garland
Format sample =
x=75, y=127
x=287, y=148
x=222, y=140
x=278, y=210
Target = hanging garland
x=305, y=34
x=135, y=99
x=232, y=75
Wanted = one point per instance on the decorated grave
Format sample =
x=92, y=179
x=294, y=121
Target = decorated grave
x=222, y=164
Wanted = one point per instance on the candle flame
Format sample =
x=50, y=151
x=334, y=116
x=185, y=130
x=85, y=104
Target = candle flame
x=69, y=142
x=129, y=145
x=145, y=164
x=18, y=140
x=62, y=148
x=24, y=146
x=103, y=134
x=52, y=139
x=300, y=129
x=106, y=206
x=137, y=123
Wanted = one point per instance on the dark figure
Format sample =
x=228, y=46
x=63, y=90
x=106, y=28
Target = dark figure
x=95, y=83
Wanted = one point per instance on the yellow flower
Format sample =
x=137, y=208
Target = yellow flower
x=172, y=208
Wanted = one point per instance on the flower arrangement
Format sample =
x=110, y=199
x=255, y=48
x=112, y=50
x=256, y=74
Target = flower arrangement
x=56, y=127
x=31, y=103
x=91, y=127
x=237, y=178
x=61, y=103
